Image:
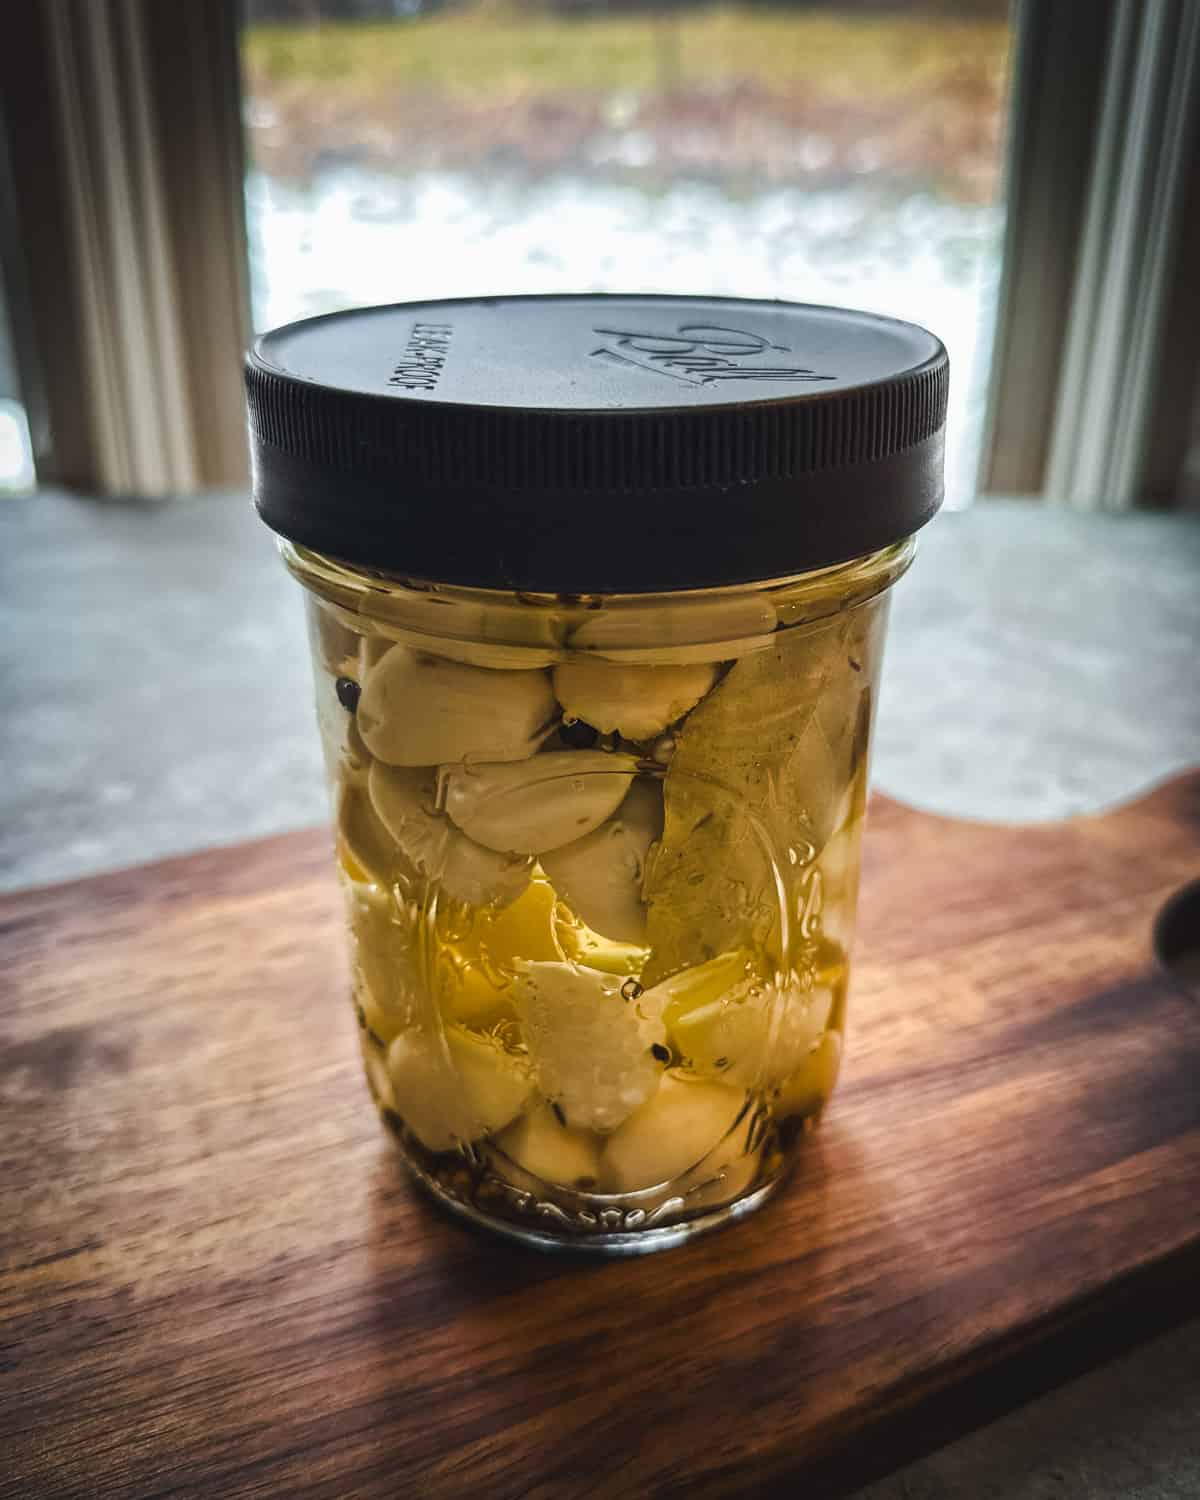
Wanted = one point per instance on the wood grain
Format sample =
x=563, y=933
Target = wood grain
x=216, y=1280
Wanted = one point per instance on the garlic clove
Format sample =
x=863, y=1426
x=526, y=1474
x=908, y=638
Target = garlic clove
x=366, y=849
x=481, y=877
x=752, y=794
x=417, y=710
x=355, y=758
x=379, y=1080
x=537, y=642
x=332, y=640
x=473, y=1088
x=839, y=863
x=637, y=702
x=383, y=949
x=534, y=806
x=686, y=1125
x=478, y=971
x=589, y=1045
x=371, y=649
x=682, y=633
x=496, y=1083
x=727, y=1022
x=521, y=933
x=403, y=799
x=467, y=994
x=701, y=985
x=507, y=636
x=554, y=1152
x=600, y=875
x=495, y=656
x=753, y=1039
x=346, y=757
x=808, y=1089
x=425, y=1092
x=583, y=946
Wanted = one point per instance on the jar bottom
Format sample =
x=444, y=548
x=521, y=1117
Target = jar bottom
x=471, y=1189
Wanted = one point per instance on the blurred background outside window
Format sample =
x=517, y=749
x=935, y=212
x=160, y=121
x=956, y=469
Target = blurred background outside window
x=847, y=153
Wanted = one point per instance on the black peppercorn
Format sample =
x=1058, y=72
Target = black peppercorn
x=577, y=735
x=348, y=692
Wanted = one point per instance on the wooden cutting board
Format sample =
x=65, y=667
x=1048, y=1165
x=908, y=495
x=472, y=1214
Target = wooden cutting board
x=217, y=1281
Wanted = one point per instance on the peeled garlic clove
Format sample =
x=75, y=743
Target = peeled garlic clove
x=545, y=1148
x=839, y=863
x=590, y=1046
x=511, y=636
x=504, y=640
x=751, y=760
x=474, y=1089
x=727, y=1021
x=383, y=946
x=356, y=758
x=495, y=656
x=520, y=933
x=346, y=757
x=477, y=971
x=403, y=799
x=754, y=1039
x=425, y=1092
x=333, y=641
x=481, y=877
x=600, y=875
x=537, y=805
x=583, y=946
x=371, y=649
x=684, y=1124
x=637, y=702
x=683, y=633
x=496, y=1083
x=368, y=852
x=379, y=1080
x=418, y=710
x=807, y=1091
x=467, y=994
x=700, y=985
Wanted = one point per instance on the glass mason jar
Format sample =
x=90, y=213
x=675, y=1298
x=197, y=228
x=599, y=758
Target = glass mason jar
x=596, y=710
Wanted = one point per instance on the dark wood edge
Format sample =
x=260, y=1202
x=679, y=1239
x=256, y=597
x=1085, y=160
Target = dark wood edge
x=1160, y=1296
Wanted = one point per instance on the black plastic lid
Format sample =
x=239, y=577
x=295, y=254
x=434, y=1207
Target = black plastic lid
x=597, y=444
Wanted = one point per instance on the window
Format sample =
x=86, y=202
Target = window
x=846, y=152
x=16, y=446
x=16, y=452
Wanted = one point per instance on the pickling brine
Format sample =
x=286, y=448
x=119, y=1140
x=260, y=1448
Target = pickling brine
x=600, y=866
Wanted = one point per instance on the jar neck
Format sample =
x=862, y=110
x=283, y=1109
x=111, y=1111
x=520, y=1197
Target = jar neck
x=624, y=626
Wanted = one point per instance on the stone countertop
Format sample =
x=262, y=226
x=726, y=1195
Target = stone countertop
x=1041, y=662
